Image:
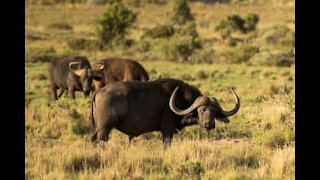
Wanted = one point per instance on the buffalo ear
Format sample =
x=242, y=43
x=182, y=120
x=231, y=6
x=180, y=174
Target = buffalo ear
x=97, y=66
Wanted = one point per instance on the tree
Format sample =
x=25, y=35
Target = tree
x=180, y=12
x=114, y=23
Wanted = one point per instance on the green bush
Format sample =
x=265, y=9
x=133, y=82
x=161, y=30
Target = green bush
x=77, y=127
x=202, y=56
x=139, y=3
x=114, y=23
x=82, y=43
x=77, y=163
x=241, y=54
x=191, y=168
x=40, y=54
x=181, y=45
x=189, y=29
x=201, y=75
x=60, y=26
x=180, y=12
x=178, y=48
x=250, y=22
x=143, y=46
x=273, y=58
x=231, y=42
x=163, y=31
x=276, y=35
x=240, y=2
x=99, y=2
x=34, y=36
x=276, y=138
x=235, y=23
x=156, y=1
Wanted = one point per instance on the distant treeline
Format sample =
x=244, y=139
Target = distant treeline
x=102, y=2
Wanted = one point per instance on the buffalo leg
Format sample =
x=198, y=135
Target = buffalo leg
x=100, y=135
x=61, y=91
x=103, y=134
x=54, y=92
x=130, y=138
x=71, y=93
x=167, y=137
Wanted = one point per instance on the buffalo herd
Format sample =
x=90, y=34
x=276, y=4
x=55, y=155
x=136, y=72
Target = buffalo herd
x=123, y=97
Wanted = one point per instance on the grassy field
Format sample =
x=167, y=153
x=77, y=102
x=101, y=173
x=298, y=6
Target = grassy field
x=258, y=143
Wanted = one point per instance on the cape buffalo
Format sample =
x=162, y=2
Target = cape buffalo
x=165, y=105
x=115, y=69
x=70, y=74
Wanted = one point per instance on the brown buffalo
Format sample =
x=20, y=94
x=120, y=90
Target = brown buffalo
x=115, y=69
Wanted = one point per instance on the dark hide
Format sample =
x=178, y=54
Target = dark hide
x=136, y=107
x=77, y=77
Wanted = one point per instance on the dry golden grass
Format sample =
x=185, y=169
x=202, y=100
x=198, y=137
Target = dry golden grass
x=258, y=143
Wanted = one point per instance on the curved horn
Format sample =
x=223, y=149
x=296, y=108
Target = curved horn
x=72, y=63
x=179, y=111
x=101, y=67
x=235, y=109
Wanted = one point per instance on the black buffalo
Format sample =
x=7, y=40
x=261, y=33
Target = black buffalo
x=116, y=69
x=70, y=74
x=166, y=105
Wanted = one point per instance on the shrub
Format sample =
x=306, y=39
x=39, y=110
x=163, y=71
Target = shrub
x=139, y=3
x=235, y=23
x=191, y=168
x=61, y=26
x=40, y=54
x=180, y=12
x=277, y=138
x=279, y=88
x=251, y=21
x=201, y=75
x=99, y=2
x=240, y=2
x=114, y=23
x=78, y=127
x=39, y=77
x=143, y=46
x=79, y=163
x=34, y=36
x=189, y=29
x=232, y=23
x=163, y=31
x=179, y=48
x=82, y=43
x=185, y=42
x=157, y=1
x=276, y=35
x=232, y=42
x=242, y=54
x=202, y=56
x=273, y=58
